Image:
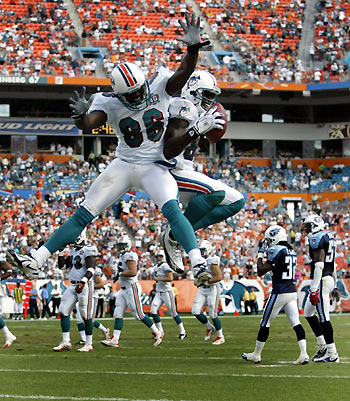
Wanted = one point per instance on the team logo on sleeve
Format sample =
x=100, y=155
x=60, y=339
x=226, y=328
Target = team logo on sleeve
x=184, y=110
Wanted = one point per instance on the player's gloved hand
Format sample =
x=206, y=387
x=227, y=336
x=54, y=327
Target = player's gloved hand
x=202, y=279
x=314, y=296
x=208, y=121
x=80, y=105
x=335, y=294
x=191, y=36
x=80, y=285
x=261, y=248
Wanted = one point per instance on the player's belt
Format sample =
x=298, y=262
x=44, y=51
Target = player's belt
x=123, y=288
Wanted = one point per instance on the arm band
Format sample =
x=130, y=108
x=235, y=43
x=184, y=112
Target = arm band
x=317, y=276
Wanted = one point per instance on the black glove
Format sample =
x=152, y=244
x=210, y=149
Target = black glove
x=335, y=294
x=191, y=36
x=80, y=105
x=79, y=287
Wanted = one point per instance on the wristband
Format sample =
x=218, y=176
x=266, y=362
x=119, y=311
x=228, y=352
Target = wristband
x=260, y=255
x=61, y=253
x=192, y=133
x=79, y=116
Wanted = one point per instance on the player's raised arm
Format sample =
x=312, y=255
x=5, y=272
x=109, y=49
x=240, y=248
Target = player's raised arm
x=193, y=42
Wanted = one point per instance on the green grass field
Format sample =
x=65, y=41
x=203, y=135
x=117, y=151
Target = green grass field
x=178, y=370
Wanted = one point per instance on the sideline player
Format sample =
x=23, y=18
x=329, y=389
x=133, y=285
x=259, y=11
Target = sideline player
x=163, y=275
x=323, y=275
x=281, y=260
x=129, y=296
x=208, y=201
x=209, y=294
x=6, y=271
x=81, y=261
x=137, y=110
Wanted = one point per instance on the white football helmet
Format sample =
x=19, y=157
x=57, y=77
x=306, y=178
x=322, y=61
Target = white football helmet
x=124, y=245
x=160, y=256
x=205, y=248
x=313, y=224
x=80, y=242
x=201, y=89
x=131, y=87
x=275, y=234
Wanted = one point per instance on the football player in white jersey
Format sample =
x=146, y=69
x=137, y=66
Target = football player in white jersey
x=129, y=295
x=208, y=201
x=137, y=110
x=81, y=261
x=6, y=271
x=208, y=294
x=163, y=275
x=98, y=283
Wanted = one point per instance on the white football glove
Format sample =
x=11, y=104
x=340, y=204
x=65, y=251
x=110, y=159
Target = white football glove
x=210, y=120
x=202, y=279
x=191, y=36
x=80, y=105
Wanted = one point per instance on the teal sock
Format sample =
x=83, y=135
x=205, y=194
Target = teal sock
x=156, y=318
x=177, y=319
x=217, y=324
x=70, y=230
x=118, y=324
x=65, y=324
x=97, y=324
x=88, y=327
x=219, y=213
x=200, y=205
x=81, y=327
x=147, y=321
x=2, y=323
x=180, y=227
x=202, y=318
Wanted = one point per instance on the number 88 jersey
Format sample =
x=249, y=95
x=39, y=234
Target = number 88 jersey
x=283, y=260
x=78, y=270
x=140, y=133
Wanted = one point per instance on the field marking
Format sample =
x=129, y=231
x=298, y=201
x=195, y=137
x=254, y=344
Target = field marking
x=52, y=397
x=116, y=372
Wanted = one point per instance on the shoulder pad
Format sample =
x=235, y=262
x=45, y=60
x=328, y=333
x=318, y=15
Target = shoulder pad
x=91, y=250
x=183, y=109
x=274, y=251
x=130, y=256
x=213, y=260
x=315, y=239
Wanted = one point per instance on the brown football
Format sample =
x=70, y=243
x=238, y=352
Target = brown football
x=216, y=134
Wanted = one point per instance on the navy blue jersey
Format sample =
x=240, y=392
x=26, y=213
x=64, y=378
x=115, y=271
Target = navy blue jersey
x=323, y=240
x=284, y=261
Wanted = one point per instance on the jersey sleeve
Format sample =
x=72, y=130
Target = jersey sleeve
x=99, y=103
x=184, y=110
x=166, y=268
x=91, y=251
x=98, y=271
x=213, y=260
x=274, y=253
x=317, y=241
x=131, y=256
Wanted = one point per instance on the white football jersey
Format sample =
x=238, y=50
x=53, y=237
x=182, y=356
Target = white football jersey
x=140, y=133
x=127, y=281
x=161, y=271
x=213, y=260
x=184, y=109
x=78, y=270
x=98, y=272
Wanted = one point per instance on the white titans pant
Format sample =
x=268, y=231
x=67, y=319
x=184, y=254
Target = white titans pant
x=192, y=183
x=326, y=287
x=166, y=297
x=120, y=177
x=18, y=307
x=129, y=297
x=210, y=297
x=288, y=301
x=85, y=300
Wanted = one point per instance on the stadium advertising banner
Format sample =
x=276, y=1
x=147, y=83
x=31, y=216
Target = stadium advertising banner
x=38, y=127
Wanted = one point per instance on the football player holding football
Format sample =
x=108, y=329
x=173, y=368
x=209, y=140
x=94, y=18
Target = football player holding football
x=6, y=271
x=81, y=261
x=129, y=296
x=208, y=201
x=281, y=259
x=321, y=244
x=163, y=275
x=209, y=294
x=137, y=110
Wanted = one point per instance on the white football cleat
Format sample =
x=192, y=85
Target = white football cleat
x=210, y=333
x=173, y=252
x=321, y=352
x=251, y=357
x=302, y=360
x=112, y=342
x=182, y=336
x=64, y=346
x=9, y=340
x=158, y=338
x=219, y=340
x=86, y=348
x=328, y=358
x=26, y=263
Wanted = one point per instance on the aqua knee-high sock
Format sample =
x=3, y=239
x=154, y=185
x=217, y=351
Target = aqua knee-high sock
x=118, y=324
x=65, y=324
x=147, y=321
x=177, y=319
x=219, y=213
x=200, y=205
x=69, y=231
x=217, y=324
x=81, y=327
x=96, y=324
x=180, y=227
x=156, y=318
x=202, y=318
x=88, y=327
x=2, y=323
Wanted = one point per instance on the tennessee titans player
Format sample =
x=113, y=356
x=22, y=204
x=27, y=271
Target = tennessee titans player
x=281, y=260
